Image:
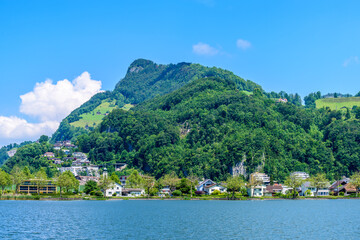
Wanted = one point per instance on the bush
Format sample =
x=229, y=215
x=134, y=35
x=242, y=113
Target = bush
x=176, y=193
x=96, y=193
x=199, y=193
x=341, y=194
x=114, y=194
x=216, y=192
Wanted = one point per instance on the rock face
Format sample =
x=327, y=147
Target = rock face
x=240, y=168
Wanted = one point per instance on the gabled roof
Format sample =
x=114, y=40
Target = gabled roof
x=273, y=188
x=203, y=182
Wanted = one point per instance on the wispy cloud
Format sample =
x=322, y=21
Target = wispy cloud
x=243, y=44
x=350, y=60
x=204, y=49
x=50, y=103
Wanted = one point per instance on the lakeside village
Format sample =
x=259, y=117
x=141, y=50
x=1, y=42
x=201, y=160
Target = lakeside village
x=78, y=178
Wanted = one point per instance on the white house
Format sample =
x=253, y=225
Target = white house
x=116, y=188
x=133, y=192
x=307, y=186
x=211, y=188
x=301, y=175
x=260, y=177
x=164, y=192
x=286, y=190
x=256, y=191
x=203, y=184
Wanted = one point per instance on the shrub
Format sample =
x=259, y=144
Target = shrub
x=199, y=193
x=114, y=194
x=216, y=192
x=176, y=193
x=341, y=194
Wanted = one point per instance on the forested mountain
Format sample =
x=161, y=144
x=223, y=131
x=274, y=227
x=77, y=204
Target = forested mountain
x=144, y=80
x=208, y=126
x=190, y=118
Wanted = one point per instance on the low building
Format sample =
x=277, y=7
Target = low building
x=164, y=192
x=308, y=190
x=211, y=188
x=205, y=183
x=116, y=190
x=271, y=190
x=30, y=186
x=133, y=192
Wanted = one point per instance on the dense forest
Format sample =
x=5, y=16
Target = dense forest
x=193, y=119
x=208, y=126
x=145, y=80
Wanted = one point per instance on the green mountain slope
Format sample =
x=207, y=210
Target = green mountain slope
x=208, y=126
x=144, y=80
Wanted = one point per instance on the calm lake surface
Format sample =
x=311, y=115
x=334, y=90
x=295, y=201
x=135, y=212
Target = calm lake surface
x=275, y=219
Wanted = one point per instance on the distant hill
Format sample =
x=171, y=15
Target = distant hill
x=144, y=80
x=338, y=103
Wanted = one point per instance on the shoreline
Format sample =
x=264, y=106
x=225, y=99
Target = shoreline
x=17, y=198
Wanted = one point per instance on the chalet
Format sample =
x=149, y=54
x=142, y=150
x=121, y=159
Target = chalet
x=337, y=186
x=116, y=189
x=348, y=189
x=209, y=189
x=203, y=184
x=271, y=190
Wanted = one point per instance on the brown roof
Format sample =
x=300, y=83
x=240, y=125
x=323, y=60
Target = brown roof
x=350, y=188
x=273, y=188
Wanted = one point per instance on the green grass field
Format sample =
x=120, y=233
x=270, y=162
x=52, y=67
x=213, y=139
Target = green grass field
x=93, y=118
x=338, y=103
x=247, y=93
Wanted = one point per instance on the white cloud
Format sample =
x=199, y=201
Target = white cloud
x=50, y=103
x=53, y=102
x=204, y=49
x=243, y=44
x=350, y=60
x=14, y=128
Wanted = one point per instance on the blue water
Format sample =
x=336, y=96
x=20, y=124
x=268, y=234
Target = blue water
x=305, y=219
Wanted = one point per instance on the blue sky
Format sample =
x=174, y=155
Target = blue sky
x=295, y=46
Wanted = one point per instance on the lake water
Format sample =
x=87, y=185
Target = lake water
x=276, y=219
